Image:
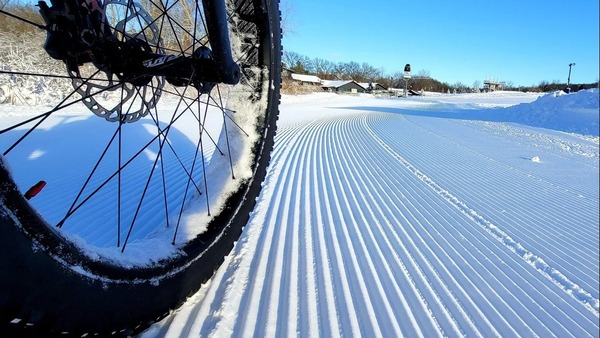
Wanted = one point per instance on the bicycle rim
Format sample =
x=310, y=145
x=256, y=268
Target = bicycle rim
x=175, y=174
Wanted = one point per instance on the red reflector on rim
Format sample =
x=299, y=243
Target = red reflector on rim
x=33, y=191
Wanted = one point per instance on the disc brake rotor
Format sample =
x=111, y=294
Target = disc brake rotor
x=110, y=95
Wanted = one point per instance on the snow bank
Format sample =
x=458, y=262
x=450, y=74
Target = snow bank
x=574, y=113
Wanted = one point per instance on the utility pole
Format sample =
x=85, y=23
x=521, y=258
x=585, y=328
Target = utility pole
x=569, y=78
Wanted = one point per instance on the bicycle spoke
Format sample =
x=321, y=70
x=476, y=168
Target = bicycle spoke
x=224, y=111
x=188, y=174
x=204, y=163
x=72, y=207
x=35, y=24
x=119, y=161
x=202, y=21
x=160, y=133
x=140, y=151
x=7, y=72
x=190, y=179
x=148, y=181
x=227, y=142
x=173, y=23
x=162, y=171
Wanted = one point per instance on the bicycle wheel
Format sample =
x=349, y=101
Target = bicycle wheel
x=138, y=202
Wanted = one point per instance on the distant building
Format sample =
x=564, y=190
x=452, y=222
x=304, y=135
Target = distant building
x=306, y=79
x=348, y=86
x=373, y=85
x=492, y=85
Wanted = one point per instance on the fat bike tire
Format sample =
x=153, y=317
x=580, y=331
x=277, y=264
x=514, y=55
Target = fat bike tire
x=49, y=287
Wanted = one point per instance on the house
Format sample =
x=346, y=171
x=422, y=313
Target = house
x=374, y=86
x=348, y=86
x=306, y=79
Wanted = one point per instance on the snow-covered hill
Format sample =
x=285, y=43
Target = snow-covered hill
x=441, y=215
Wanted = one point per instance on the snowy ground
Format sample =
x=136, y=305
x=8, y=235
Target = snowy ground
x=442, y=215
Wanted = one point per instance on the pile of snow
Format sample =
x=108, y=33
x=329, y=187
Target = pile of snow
x=573, y=113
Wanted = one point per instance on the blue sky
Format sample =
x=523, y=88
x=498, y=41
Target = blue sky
x=523, y=42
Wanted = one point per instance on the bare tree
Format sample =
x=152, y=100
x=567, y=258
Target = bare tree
x=287, y=16
x=320, y=67
x=3, y=3
x=327, y=70
x=421, y=80
x=290, y=59
x=397, y=80
x=460, y=87
x=423, y=73
x=367, y=72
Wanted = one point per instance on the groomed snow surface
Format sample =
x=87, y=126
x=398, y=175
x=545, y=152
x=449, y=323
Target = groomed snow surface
x=442, y=215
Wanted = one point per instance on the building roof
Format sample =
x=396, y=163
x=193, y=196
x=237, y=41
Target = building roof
x=365, y=85
x=335, y=83
x=306, y=78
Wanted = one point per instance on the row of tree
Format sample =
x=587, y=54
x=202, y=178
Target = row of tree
x=364, y=72
x=359, y=72
x=421, y=80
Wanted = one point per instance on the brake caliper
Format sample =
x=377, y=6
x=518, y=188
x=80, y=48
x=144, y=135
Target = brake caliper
x=73, y=28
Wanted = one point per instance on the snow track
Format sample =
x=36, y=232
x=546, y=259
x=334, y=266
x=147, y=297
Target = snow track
x=384, y=225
